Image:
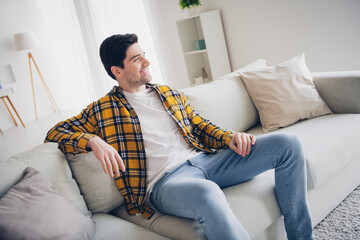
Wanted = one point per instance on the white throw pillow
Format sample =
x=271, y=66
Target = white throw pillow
x=217, y=100
x=284, y=94
x=99, y=189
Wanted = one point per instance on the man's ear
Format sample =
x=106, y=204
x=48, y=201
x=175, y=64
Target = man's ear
x=116, y=71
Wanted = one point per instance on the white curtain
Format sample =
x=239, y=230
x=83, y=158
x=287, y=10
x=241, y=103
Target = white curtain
x=71, y=33
x=68, y=72
x=110, y=17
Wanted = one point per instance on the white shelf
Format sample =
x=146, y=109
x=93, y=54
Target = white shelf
x=214, y=58
x=196, y=52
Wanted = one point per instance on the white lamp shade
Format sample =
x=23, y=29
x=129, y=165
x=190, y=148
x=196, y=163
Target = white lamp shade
x=25, y=41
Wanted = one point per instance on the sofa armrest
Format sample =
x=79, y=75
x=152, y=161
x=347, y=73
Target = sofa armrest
x=340, y=90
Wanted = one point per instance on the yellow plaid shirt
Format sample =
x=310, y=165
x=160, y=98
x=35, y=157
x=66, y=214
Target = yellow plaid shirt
x=115, y=121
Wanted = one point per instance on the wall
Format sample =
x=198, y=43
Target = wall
x=15, y=17
x=61, y=57
x=327, y=31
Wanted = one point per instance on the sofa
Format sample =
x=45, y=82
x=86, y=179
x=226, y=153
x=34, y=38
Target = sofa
x=331, y=145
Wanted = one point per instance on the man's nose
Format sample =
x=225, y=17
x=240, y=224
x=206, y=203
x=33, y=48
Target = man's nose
x=146, y=62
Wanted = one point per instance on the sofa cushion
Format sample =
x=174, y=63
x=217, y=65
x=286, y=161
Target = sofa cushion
x=99, y=189
x=32, y=209
x=226, y=100
x=253, y=202
x=111, y=227
x=330, y=142
x=166, y=225
x=284, y=94
x=52, y=164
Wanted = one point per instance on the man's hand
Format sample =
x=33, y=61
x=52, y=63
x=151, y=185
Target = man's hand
x=241, y=143
x=108, y=157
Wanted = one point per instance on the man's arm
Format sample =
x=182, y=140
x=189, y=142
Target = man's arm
x=215, y=137
x=108, y=157
x=78, y=135
x=74, y=133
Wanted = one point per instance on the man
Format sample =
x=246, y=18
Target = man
x=159, y=150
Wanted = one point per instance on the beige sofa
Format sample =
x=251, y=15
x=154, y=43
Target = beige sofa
x=331, y=144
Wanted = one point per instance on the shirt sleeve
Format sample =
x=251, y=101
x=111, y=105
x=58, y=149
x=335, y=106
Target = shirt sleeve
x=208, y=133
x=73, y=134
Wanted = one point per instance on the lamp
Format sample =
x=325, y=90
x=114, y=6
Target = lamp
x=27, y=41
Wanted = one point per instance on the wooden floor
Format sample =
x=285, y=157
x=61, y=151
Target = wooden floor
x=18, y=139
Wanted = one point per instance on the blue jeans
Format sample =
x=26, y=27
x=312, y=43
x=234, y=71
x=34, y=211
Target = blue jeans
x=193, y=190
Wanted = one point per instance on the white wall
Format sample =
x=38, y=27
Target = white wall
x=327, y=31
x=61, y=57
x=18, y=16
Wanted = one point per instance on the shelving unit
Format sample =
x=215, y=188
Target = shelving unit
x=214, y=58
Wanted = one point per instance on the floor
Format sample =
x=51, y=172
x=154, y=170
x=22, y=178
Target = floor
x=18, y=139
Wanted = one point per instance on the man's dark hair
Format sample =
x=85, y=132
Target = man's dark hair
x=113, y=50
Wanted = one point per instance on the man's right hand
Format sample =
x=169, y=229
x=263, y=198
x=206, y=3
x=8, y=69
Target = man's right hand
x=108, y=157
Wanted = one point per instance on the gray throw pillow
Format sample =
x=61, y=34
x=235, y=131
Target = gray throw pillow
x=99, y=189
x=32, y=209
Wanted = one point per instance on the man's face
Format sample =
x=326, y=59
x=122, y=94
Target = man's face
x=135, y=73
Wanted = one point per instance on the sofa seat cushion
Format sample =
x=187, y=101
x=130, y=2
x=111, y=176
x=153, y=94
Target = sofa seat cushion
x=52, y=164
x=111, y=227
x=330, y=142
x=166, y=225
x=253, y=202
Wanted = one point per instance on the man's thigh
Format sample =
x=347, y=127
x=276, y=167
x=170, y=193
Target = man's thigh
x=227, y=168
x=183, y=192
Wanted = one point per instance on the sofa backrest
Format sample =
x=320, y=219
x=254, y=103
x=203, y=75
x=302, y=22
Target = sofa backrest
x=52, y=164
x=225, y=102
x=340, y=90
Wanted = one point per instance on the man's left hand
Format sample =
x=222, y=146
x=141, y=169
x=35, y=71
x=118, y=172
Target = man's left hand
x=241, y=143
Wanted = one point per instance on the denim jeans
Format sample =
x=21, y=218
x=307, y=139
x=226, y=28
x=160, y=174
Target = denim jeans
x=193, y=190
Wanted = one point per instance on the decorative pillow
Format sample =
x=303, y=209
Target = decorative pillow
x=32, y=209
x=284, y=94
x=52, y=163
x=218, y=94
x=99, y=189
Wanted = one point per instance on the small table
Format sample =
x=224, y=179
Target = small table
x=4, y=94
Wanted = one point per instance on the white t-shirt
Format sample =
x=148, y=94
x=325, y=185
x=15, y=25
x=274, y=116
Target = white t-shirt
x=165, y=147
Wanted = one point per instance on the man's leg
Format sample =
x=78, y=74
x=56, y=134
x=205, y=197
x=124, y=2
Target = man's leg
x=282, y=152
x=187, y=193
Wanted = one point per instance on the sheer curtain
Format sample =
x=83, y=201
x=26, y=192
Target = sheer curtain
x=68, y=72
x=110, y=17
x=71, y=33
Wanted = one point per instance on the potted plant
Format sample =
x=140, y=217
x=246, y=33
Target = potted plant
x=190, y=5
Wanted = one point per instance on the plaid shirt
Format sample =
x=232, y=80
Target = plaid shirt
x=115, y=121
